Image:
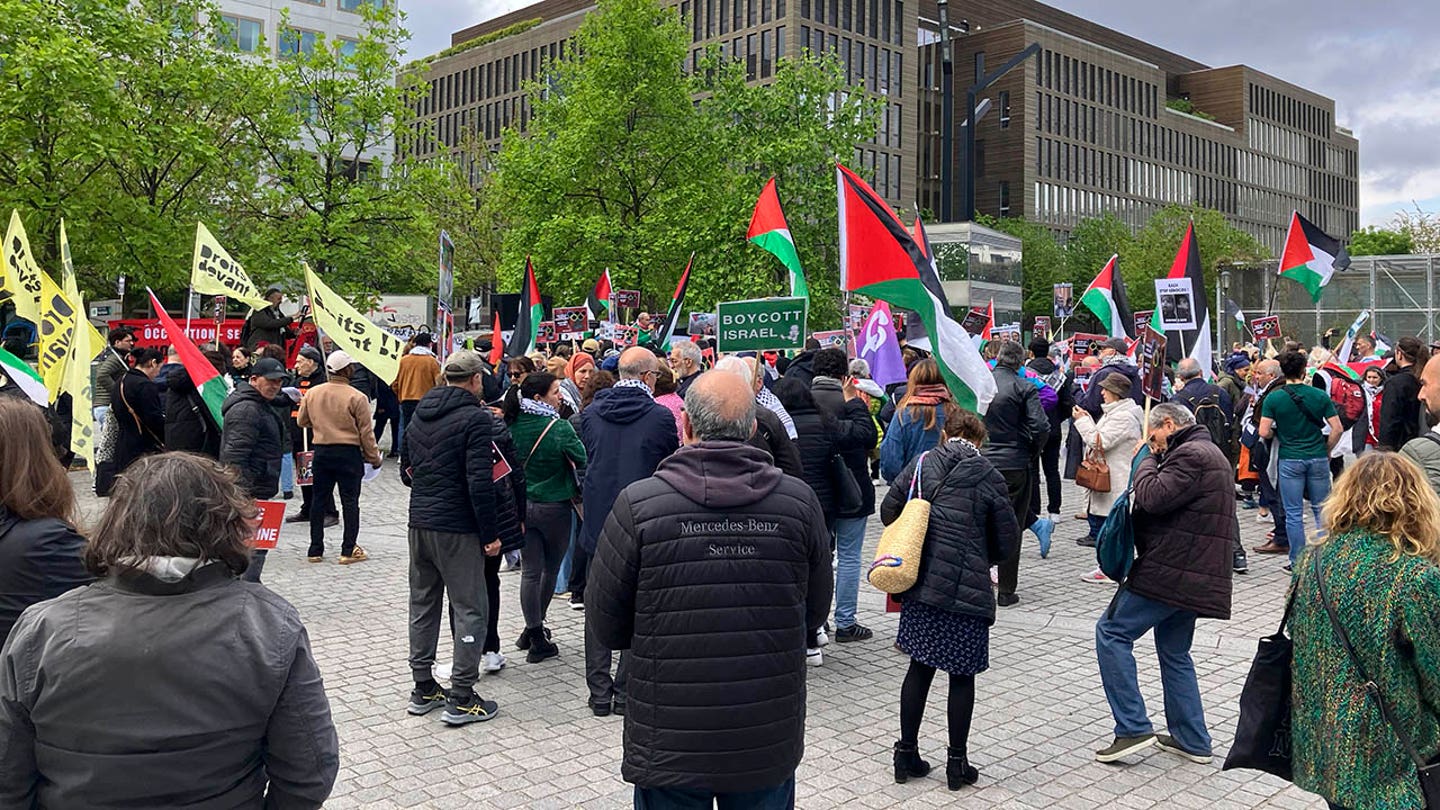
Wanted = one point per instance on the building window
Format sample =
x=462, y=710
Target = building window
x=295, y=41
x=239, y=34
x=354, y=5
x=348, y=47
x=779, y=43
x=1004, y=109
x=1004, y=198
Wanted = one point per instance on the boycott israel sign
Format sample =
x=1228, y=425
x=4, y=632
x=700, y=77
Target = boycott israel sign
x=762, y=323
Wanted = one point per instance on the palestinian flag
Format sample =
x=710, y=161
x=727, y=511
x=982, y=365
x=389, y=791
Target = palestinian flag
x=208, y=381
x=915, y=334
x=1107, y=299
x=1197, y=341
x=497, y=344
x=527, y=327
x=879, y=258
x=769, y=230
x=986, y=333
x=662, y=337
x=1311, y=257
x=19, y=372
x=597, y=306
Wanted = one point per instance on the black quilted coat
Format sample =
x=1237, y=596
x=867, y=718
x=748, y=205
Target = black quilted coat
x=972, y=527
x=1184, y=510
x=448, y=462
x=712, y=573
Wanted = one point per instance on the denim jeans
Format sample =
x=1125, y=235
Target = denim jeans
x=1302, y=479
x=849, y=537
x=562, y=579
x=287, y=472
x=100, y=412
x=1133, y=616
x=780, y=797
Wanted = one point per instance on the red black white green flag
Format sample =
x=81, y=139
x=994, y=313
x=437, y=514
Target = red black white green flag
x=881, y=259
x=1194, y=341
x=208, y=380
x=527, y=327
x=1311, y=257
x=769, y=230
x=662, y=338
x=1106, y=298
x=597, y=306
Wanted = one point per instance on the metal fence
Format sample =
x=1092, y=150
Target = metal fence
x=1399, y=291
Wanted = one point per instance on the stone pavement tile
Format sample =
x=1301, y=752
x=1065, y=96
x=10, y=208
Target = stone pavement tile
x=1039, y=714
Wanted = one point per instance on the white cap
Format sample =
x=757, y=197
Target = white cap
x=337, y=360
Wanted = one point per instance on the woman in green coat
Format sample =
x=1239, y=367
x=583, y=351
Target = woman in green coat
x=551, y=453
x=1379, y=570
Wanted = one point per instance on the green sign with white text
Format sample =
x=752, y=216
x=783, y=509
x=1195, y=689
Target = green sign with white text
x=760, y=324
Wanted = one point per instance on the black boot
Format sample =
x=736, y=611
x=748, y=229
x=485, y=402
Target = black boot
x=523, y=643
x=908, y=763
x=541, y=647
x=958, y=771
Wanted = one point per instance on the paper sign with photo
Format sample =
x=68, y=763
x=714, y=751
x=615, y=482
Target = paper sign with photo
x=1175, y=298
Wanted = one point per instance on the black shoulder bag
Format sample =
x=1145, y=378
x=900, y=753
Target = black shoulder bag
x=1262, y=735
x=1429, y=774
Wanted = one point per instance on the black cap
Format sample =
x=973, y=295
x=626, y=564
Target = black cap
x=269, y=368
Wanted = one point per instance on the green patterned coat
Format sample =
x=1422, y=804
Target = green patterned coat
x=1344, y=750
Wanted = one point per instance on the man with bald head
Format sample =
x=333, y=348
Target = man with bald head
x=714, y=574
x=626, y=436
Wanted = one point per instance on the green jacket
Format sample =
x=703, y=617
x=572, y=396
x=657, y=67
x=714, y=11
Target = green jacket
x=1344, y=750
x=548, y=477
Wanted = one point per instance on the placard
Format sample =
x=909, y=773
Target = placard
x=761, y=323
x=1042, y=326
x=1175, y=298
x=626, y=336
x=701, y=323
x=304, y=468
x=833, y=339
x=1004, y=332
x=975, y=321
x=1141, y=318
x=1150, y=352
x=150, y=334
x=570, y=322
x=1064, y=300
x=627, y=299
x=855, y=317
x=1084, y=344
x=546, y=332
x=1267, y=327
x=267, y=530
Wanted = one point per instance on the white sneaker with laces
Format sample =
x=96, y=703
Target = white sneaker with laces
x=814, y=657
x=492, y=662
x=821, y=638
x=1097, y=577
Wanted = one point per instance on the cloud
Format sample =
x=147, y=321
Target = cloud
x=431, y=22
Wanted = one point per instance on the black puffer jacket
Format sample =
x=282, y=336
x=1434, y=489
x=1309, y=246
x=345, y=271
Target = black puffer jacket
x=771, y=437
x=1016, y=422
x=253, y=441
x=510, y=501
x=972, y=527
x=1184, y=511
x=135, y=402
x=816, y=442
x=856, y=435
x=448, y=462
x=712, y=573
x=39, y=560
x=1401, y=417
x=626, y=436
x=188, y=424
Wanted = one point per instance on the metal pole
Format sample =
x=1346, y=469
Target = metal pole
x=967, y=213
x=1220, y=316
x=947, y=117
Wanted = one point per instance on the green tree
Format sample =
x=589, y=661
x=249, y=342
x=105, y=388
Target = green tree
x=1423, y=228
x=1154, y=247
x=1374, y=241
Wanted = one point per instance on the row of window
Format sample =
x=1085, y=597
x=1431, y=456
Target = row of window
x=246, y=35
x=504, y=76
x=1066, y=207
x=1292, y=112
x=886, y=18
x=759, y=51
x=1075, y=77
x=885, y=168
x=1123, y=133
x=879, y=69
x=711, y=18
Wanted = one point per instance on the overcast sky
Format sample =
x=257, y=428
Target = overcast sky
x=1378, y=60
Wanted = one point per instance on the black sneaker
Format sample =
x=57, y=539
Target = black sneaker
x=1239, y=564
x=425, y=698
x=600, y=709
x=620, y=707
x=1124, y=747
x=298, y=518
x=1006, y=599
x=331, y=520
x=468, y=708
x=541, y=647
x=1087, y=541
x=855, y=632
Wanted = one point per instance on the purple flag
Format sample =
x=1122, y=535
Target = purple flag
x=876, y=345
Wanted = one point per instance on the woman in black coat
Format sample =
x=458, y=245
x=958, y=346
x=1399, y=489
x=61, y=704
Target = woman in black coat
x=945, y=618
x=135, y=403
x=816, y=437
x=188, y=423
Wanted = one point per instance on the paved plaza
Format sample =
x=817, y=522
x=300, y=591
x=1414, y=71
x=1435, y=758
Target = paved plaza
x=1039, y=712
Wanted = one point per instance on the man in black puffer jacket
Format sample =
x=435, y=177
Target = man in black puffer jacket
x=712, y=573
x=1018, y=429
x=448, y=461
x=253, y=440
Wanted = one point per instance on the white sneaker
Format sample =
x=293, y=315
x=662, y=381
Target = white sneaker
x=492, y=662
x=442, y=670
x=814, y=657
x=1097, y=577
x=821, y=638
x=994, y=575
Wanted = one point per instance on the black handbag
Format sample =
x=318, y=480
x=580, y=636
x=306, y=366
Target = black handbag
x=1262, y=735
x=848, y=498
x=1428, y=773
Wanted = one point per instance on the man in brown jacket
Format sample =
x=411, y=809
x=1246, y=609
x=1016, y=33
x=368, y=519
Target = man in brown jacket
x=1183, y=499
x=419, y=372
x=344, y=441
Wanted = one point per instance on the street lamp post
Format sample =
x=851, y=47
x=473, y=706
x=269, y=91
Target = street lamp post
x=947, y=118
x=982, y=82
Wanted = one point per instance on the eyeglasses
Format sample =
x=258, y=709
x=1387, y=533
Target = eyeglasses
x=515, y=375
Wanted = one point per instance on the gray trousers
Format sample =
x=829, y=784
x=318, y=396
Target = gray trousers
x=441, y=561
x=603, y=688
x=547, y=536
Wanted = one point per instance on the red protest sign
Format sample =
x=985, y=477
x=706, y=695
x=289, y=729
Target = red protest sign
x=267, y=533
x=149, y=334
x=1267, y=327
x=1084, y=344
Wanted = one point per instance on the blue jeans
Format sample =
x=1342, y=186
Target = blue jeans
x=562, y=579
x=849, y=538
x=780, y=797
x=287, y=472
x=1301, y=479
x=1132, y=617
x=100, y=412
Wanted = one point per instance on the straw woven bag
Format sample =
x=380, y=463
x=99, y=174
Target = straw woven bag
x=897, y=558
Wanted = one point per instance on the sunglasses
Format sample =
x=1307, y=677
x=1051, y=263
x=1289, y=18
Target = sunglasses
x=515, y=375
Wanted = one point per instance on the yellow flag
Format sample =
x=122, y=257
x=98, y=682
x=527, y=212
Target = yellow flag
x=86, y=344
x=22, y=274
x=370, y=345
x=72, y=291
x=215, y=273
x=54, y=331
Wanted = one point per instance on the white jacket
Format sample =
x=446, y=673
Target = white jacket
x=1119, y=430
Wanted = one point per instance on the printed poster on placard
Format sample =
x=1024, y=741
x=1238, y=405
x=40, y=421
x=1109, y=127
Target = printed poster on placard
x=702, y=323
x=267, y=532
x=570, y=322
x=1175, y=298
x=1141, y=318
x=1150, y=352
x=1064, y=300
x=974, y=322
x=627, y=299
x=1042, y=326
x=1084, y=344
x=761, y=323
x=546, y=332
x=856, y=316
x=834, y=338
x=1267, y=327
x=626, y=336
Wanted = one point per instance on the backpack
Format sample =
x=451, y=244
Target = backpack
x=1349, y=399
x=1209, y=414
x=1115, y=542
